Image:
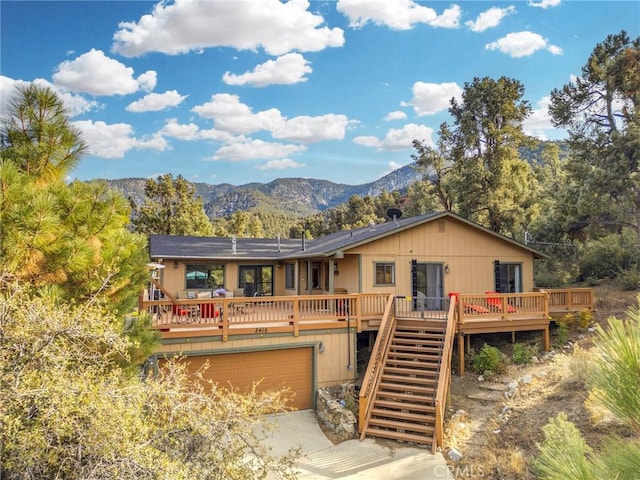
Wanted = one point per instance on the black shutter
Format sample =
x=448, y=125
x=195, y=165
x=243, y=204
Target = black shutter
x=496, y=271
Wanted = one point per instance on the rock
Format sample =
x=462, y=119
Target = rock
x=512, y=385
x=535, y=359
x=454, y=454
x=526, y=379
x=335, y=416
x=540, y=374
x=481, y=378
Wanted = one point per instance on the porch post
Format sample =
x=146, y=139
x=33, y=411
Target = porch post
x=460, y=354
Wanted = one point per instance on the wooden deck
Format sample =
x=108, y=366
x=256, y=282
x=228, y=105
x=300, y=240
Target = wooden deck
x=473, y=314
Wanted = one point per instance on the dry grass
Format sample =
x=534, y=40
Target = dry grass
x=500, y=449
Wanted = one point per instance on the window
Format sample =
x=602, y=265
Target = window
x=204, y=276
x=385, y=274
x=508, y=277
x=289, y=276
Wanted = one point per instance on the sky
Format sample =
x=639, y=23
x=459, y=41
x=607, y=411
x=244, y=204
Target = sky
x=241, y=91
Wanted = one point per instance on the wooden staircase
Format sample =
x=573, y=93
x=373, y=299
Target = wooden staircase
x=403, y=405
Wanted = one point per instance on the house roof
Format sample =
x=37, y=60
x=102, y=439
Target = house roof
x=178, y=247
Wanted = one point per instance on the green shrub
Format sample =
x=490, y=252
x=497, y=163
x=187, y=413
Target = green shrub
x=629, y=279
x=563, y=453
x=562, y=332
x=489, y=359
x=585, y=317
x=522, y=354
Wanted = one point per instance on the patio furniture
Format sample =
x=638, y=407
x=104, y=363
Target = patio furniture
x=238, y=306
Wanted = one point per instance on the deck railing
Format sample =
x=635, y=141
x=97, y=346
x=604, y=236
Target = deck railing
x=376, y=363
x=503, y=306
x=246, y=315
x=569, y=299
x=444, y=378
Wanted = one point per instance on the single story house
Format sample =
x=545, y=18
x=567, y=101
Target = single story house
x=298, y=311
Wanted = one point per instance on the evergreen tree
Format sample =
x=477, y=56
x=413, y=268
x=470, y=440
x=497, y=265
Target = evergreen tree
x=171, y=208
x=600, y=111
x=71, y=240
x=476, y=170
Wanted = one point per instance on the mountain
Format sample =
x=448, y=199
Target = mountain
x=297, y=196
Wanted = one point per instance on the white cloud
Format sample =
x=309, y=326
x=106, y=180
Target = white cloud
x=282, y=164
x=539, y=121
x=114, y=140
x=183, y=132
x=74, y=104
x=397, y=14
x=489, y=18
x=256, y=149
x=230, y=115
x=154, y=102
x=430, y=98
x=285, y=70
x=545, y=3
x=186, y=25
x=95, y=73
x=398, y=139
x=395, y=115
x=307, y=129
x=367, y=141
x=522, y=44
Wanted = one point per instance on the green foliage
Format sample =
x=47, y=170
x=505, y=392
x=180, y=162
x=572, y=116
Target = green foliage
x=171, y=208
x=68, y=239
x=37, y=137
x=70, y=411
x=616, y=379
x=475, y=169
x=522, y=354
x=584, y=319
x=608, y=256
x=489, y=359
x=619, y=459
x=600, y=111
x=629, y=279
x=562, y=330
x=563, y=453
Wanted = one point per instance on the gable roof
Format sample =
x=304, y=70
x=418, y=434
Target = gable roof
x=178, y=247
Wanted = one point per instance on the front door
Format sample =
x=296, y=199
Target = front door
x=428, y=282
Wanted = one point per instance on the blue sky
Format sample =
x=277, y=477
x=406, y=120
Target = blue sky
x=224, y=91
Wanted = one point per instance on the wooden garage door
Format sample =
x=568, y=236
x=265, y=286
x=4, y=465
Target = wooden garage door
x=292, y=367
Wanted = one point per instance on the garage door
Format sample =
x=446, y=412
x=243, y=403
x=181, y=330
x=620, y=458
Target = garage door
x=291, y=367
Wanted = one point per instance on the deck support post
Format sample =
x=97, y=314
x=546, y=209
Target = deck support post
x=461, y=354
x=546, y=342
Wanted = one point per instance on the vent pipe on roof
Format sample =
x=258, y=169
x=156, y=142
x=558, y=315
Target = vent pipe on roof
x=233, y=244
x=278, y=237
x=304, y=234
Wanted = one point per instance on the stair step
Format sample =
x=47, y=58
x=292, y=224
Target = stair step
x=389, y=386
x=409, y=374
x=406, y=426
x=413, y=398
x=414, y=407
x=411, y=366
x=405, y=437
x=389, y=377
x=420, y=336
x=407, y=353
x=417, y=341
x=403, y=415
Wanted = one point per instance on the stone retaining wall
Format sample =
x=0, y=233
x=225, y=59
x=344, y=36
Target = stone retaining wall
x=335, y=416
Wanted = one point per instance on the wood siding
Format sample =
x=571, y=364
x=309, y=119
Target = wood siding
x=469, y=253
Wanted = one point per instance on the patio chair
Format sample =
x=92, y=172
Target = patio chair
x=238, y=306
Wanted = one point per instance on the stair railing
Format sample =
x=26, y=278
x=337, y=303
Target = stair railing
x=444, y=377
x=376, y=365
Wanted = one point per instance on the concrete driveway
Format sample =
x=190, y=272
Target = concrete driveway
x=352, y=459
